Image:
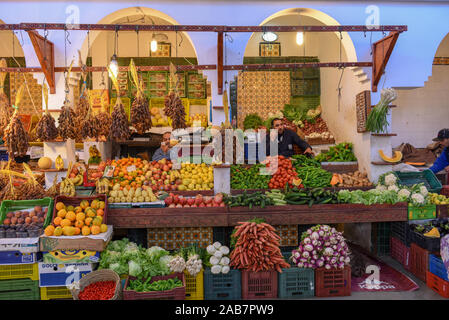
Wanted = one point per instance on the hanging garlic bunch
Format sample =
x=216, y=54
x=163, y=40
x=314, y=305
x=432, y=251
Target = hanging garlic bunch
x=5, y=107
x=177, y=264
x=46, y=128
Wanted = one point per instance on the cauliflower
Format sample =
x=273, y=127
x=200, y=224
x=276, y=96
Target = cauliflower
x=417, y=199
x=393, y=188
x=380, y=187
x=404, y=193
x=423, y=190
x=390, y=179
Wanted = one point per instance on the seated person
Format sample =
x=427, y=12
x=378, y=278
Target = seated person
x=442, y=162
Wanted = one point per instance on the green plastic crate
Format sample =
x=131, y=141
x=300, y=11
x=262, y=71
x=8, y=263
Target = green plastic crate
x=422, y=213
x=296, y=283
x=23, y=289
x=427, y=177
x=17, y=205
x=222, y=286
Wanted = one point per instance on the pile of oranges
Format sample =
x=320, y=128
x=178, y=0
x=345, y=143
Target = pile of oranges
x=125, y=177
x=85, y=219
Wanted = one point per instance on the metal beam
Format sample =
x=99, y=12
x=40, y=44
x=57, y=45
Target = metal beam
x=101, y=69
x=220, y=62
x=298, y=65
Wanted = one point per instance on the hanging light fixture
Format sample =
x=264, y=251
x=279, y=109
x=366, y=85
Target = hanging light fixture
x=269, y=36
x=300, y=38
x=113, y=64
x=153, y=44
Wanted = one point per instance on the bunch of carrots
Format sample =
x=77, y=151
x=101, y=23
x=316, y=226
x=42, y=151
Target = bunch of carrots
x=257, y=248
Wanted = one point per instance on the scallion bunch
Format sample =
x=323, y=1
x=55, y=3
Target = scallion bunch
x=377, y=119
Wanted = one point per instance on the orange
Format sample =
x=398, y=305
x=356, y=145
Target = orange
x=60, y=206
x=88, y=221
x=62, y=213
x=71, y=216
x=103, y=228
x=95, y=229
x=66, y=223
x=79, y=223
x=49, y=230
x=100, y=212
x=85, y=231
x=80, y=216
x=57, y=221
x=77, y=231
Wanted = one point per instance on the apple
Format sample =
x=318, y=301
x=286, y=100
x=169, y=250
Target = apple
x=209, y=205
x=178, y=181
x=165, y=168
x=157, y=177
x=169, y=200
x=174, y=187
x=154, y=188
x=222, y=204
x=176, y=199
x=191, y=201
x=194, y=206
x=167, y=188
x=183, y=201
x=207, y=200
x=166, y=182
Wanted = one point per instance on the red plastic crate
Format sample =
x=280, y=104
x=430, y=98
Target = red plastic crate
x=333, y=282
x=75, y=201
x=259, y=285
x=398, y=250
x=437, y=284
x=174, y=294
x=419, y=261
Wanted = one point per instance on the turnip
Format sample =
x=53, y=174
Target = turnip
x=300, y=265
x=225, y=269
x=321, y=233
x=308, y=247
x=224, y=250
x=341, y=265
x=347, y=260
x=297, y=254
x=306, y=254
x=210, y=249
x=307, y=241
x=214, y=260
x=309, y=231
x=314, y=236
x=333, y=260
x=217, y=245
x=342, y=259
x=314, y=243
x=327, y=266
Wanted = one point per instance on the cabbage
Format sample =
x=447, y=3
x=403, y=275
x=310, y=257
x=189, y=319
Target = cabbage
x=163, y=263
x=134, y=269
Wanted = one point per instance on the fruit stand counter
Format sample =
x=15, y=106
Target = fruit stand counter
x=280, y=215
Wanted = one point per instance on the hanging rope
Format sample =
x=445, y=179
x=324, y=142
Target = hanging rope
x=342, y=71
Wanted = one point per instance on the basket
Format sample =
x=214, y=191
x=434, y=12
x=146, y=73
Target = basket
x=294, y=283
x=398, y=250
x=422, y=213
x=430, y=244
x=174, y=294
x=75, y=201
x=380, y=238
x=96, y=276
x=437, y=284
x=56, y=293
x=419, y=261
x=222, y=286
x=194, y=286
x=427, y=177
x=15, y=205
x=401, y=231
x=333, y=282
x=259, y=285
x=436, y=266
x=19, y=271
x=24, y=289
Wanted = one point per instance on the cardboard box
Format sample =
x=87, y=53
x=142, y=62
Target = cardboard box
x=17, y=257
x=57, y=275
x=71, y=256
x=24, y=245
x=93, y=242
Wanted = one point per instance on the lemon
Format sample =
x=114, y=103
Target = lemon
x=191, y=186
x=211, y=185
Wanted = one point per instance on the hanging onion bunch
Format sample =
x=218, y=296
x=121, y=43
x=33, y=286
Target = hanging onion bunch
x=5, y=107
x=140, y=111
x=120, y=127
x=90, y=126
x=16, y=138
x=46, y=128
x=104, y=120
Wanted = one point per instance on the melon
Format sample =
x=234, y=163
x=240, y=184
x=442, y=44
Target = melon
x=44, y=163
x=396, y=158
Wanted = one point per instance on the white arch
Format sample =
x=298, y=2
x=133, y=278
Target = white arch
x=122, y=13
x=18, y=47
x=324, y=18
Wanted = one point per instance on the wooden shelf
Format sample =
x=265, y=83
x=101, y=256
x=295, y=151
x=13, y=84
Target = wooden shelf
x=390, y=106
x=382, y=163
x=384, y=134
x=49, y=170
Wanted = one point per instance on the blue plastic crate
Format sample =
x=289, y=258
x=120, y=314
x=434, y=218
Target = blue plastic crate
x=222, y=286
x=296, y=283
x=17, y=257
x=436, y=266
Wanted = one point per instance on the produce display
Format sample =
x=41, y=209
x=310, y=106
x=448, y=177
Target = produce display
x=67, y=187
x=313, y=177
x=252, y=121
x=439, y=199
x=100, y=290
x=256, y=199
x=76, y=173
x=219, y=259
x=157, y=117
x=197, y=118
x=24, y=223
x=257, y=247
x=177, y=201
x=321, y=246
x=244, y=177
x=160, y=285
x=340, y=153
x=437, y=228
x=316, y=126
x=354, y=179
x=194, y=257
x=28, y=189
x=300, y=160
x=277, y=197
x=129, y=194
x=85, y=219
x=325, y=135
x=377, y=121
x=196, y=177
x=311, y=196
x=285, y=174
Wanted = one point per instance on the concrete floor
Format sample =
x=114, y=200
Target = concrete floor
x=423, y=293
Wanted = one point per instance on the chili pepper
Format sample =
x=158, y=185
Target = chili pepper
x=100, y=290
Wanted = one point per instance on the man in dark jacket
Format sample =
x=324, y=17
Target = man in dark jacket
x=286, y=139
x=442, y=162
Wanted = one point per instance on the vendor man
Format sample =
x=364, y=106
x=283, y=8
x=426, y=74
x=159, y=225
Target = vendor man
x=164, y=151
x=442, y=162
x=286, y=139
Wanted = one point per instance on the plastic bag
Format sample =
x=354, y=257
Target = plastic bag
x=402, y=167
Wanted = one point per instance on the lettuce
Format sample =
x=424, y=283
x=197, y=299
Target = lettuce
x=135, y=269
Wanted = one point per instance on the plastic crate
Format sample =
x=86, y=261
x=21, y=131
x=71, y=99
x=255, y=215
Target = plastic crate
x=174, y=294
x=333, y=282
x=380, y=238
x=430, y=244
x=398, y=250
x=194, y=286
x=19, y=271
x=259, y=285
x=436, y=266
x=419, y=261
x=422, y=213
x=222, y=286
x=294, y=283
x=17, y=205
x=427, y=177
x=222, y=235
x=407, y=259
x=443, y=211
x=56, y=293
x=445, y=190
x=17, y=257
x=401, y=231
x=437, y=284
x=24, y=289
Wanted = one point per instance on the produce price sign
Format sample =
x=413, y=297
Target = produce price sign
x=131, y=168
x=109, y=172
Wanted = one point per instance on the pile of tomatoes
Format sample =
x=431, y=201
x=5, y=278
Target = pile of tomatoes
x=285, y=174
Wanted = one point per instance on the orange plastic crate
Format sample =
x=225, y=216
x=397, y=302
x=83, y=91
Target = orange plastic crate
x=437, y=284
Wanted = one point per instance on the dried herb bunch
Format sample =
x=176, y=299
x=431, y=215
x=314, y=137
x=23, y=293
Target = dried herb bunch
x=67, y=128
x=90, y=125
x=5, y=107
x=46, y=128
x=120, y=126
x=16, y=138
x=104, y=120
x=140, y=111
x=173, y=104
x=29, y=190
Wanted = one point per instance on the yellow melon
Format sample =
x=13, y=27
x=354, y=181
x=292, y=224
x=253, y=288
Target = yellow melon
x=44, y=163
